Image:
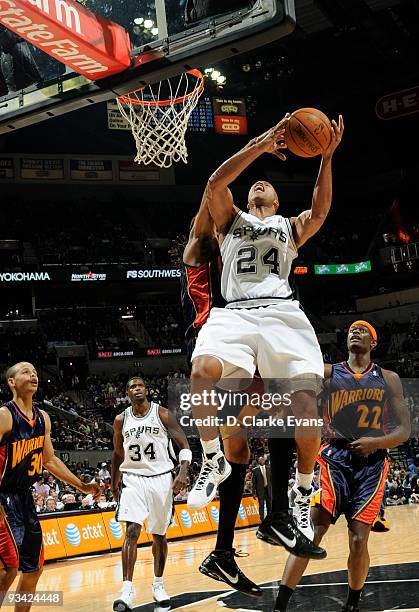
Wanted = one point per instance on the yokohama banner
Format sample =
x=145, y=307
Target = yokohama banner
x=89, y=44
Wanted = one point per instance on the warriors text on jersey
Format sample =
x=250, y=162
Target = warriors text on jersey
x=257, y=255
x=21, y=450
x=147, y=448
x=356, y=403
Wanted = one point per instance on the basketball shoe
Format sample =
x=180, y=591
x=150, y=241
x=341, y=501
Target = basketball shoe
x=281, y=528
x=221, y=565
x=213, y=472
x=159, y=594
x=300, y=504
x=380, y=525
x=125, y=600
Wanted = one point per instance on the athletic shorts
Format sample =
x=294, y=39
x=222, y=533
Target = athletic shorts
x=147, y=497
x=21, y=544
x=352, y=485
x=277, y=339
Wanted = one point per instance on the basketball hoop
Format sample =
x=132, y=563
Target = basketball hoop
x=159, y=125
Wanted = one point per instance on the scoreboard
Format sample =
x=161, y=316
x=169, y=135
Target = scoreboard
x=202, y=118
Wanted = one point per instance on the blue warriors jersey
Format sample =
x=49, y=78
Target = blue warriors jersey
x=356, y=403
x=21, y=450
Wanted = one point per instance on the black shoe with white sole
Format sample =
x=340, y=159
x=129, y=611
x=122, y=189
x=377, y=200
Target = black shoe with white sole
x=221, y=565
x=281, y=528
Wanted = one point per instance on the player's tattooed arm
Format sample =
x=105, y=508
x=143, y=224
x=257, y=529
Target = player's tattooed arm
x=400, y=413
x=57, y=468
x=310, y=221
x=117, y=455
x=220, y=198
x=176, y=432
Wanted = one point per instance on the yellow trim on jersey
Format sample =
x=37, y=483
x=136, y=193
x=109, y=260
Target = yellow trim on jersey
x=371, y=497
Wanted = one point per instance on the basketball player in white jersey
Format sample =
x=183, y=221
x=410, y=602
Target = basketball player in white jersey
x=143, y=456
x=262, y=325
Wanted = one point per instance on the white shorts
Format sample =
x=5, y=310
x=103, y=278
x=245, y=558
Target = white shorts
x=278, y=339
x=149, y=498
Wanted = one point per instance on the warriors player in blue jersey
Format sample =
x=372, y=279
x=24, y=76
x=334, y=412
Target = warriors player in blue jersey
x=143, y=483
x=354, y=462
x=25, y=450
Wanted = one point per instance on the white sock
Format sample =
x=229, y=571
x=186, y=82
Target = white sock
x=127, y=585
x=211, y=446
x=158, y=580
x=304, y=480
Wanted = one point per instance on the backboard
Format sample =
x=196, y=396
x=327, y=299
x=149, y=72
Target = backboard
x=167, y=37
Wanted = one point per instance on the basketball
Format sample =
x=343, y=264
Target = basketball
x=308, y=132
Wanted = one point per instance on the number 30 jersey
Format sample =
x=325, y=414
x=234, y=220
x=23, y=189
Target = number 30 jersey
x=147, y=448
x=356, y=405
x=21, y=450
x=257, y=255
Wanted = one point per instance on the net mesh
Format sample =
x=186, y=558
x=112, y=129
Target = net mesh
x=159, y=126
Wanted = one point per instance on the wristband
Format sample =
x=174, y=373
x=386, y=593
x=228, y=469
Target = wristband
x=185, y=455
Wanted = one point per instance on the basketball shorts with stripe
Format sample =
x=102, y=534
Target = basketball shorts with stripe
x=352, y=485
x=21, y=544
x=147, y=497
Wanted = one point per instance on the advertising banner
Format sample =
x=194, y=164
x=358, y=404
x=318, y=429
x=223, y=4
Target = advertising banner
x=355, y=268
x=84, y=534
x=45, y=169
x=193, y=522
x=250, y=506
x=116, y=530
x=91, y=169
x=7, y=170
x=53, y=541
x=230, y=116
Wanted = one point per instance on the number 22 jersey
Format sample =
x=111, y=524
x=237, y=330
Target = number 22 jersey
x=21, y=450
x=147, y=447
x=356, y=403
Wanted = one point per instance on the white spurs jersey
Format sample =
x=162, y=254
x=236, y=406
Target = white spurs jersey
x=257, y=255
x=147, y=447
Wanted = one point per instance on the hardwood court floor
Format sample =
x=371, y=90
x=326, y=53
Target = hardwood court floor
x=92, y=584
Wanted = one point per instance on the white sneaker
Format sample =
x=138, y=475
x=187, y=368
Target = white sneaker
x=159, y=595
x=300, y=504
x=213, y=472
x=125, y=601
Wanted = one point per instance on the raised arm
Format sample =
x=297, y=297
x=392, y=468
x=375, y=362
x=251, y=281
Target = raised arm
x=57, y=468
x=399, y=410
x=117, y=455
x=220, y=199
x=310, y=221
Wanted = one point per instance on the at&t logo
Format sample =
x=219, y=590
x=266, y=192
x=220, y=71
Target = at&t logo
x=72, y=534
x=186, y=518
x=215, y=514
x=116, y=529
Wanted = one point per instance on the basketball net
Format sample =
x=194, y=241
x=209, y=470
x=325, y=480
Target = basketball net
x=159, y=126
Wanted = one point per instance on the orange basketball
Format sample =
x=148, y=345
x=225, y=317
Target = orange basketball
x=308, y=132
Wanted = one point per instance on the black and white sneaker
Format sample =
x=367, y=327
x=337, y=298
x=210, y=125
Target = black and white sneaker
x=281, y=528
x=221, y=565
x=300, y=505
x=213, y=472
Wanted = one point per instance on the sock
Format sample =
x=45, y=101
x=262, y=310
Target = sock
x=284, y=595
x=281, y=455
x=211, y=447
x=127, y=585
x=304, y=480
x=158, y=579
x=230, y=492
x=353, y=597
